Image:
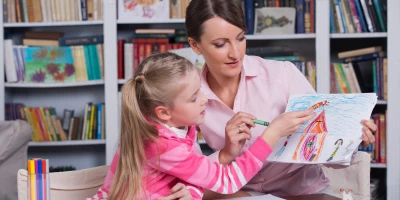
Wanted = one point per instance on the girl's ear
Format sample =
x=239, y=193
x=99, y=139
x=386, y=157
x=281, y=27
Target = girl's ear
x=162, y=113
x=194, y=45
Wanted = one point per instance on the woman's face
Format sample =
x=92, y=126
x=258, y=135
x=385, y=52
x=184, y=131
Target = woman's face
x=223, y=46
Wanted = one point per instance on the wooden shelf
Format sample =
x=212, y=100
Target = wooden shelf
x=53, y=85
x=68, y=143
x=44, y=24
x=153, y=21
x=281, y=37
x=358, y=35
x=378, y=165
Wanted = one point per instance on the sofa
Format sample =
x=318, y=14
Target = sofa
x=14, y=139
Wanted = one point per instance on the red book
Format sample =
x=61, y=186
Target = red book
x=121, y=59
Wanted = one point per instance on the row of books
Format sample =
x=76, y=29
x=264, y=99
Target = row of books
x=283, y=53
x=378, y=149
x=46, y=125
x=51, y=10
x=53, y=64
x=145, y=42
x=358, y=16
x=363, y=70
x=304, y=16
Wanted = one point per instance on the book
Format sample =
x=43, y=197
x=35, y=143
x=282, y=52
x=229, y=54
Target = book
x=49, y=65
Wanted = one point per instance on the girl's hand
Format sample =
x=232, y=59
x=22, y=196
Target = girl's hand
x=237, y=131
x=179, y=192
x=286, y=124
x=367, y=136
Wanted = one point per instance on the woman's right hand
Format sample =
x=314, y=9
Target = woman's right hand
x=286, y=124
x=237, y=131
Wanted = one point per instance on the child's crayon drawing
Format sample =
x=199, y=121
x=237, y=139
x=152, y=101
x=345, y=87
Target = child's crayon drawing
x=337, y=123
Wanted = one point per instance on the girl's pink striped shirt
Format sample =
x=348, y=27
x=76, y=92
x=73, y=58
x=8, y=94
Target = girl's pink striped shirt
x=172, y=159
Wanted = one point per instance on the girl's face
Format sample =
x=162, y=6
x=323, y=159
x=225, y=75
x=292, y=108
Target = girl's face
x=190, y=104
x=223, y=46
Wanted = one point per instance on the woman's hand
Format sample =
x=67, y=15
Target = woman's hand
x=237, y=131
x=179, y=192
x=367, y=136
x=286, y=124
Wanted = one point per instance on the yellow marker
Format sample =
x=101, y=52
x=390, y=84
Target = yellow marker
x=32, y=178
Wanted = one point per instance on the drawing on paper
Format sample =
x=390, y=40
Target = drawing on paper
x=312, y=140
x=143, y=9
x=329, y=137
x=338, y=143
x=348, y=150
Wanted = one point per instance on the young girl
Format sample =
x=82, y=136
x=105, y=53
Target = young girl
x=161, y=106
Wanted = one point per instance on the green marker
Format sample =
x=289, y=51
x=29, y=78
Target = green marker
x=261, y=122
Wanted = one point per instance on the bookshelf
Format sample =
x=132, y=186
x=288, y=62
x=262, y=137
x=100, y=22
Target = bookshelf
x=317, y=46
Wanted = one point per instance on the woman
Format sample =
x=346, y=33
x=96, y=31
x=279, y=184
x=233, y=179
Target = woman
x=237, y=84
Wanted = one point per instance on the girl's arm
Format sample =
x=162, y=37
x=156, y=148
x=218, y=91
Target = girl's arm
x=179, y=160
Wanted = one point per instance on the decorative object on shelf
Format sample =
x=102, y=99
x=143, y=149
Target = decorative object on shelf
x=275, y=20
x=143, y=9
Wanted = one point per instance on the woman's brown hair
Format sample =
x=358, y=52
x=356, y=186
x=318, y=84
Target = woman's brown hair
x=200, y=11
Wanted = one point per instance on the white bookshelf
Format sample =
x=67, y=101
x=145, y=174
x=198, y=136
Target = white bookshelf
x=44, y=24
x=153, y=21
x=317, y=46
x=358, y=35
x=281, y=37
x=68, y=143
x=53, y=85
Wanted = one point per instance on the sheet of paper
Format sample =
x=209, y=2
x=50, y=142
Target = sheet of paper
x=332, y=135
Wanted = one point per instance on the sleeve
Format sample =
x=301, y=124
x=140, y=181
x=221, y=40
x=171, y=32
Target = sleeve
x=104, y=190
x=176, y=159
x=295, y=81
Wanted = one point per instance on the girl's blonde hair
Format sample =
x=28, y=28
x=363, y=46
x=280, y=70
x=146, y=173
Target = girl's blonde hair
x=156, y=82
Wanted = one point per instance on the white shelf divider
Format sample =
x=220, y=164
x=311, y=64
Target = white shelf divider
x=153, y=21
x=358, y=35
x=280, y=37
x=378, y=165
x=44, y=24
x=53, y=85
x=68, y=143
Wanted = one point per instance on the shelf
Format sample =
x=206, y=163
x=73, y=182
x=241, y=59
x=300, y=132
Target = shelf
x=42, y=24
x=53, y=85
x=281, y=37
x=358, y=35
x=153, y=21
x=381, y=102
x=378, y=165
x=122, y=81
x=202, y=141
x=68, y=143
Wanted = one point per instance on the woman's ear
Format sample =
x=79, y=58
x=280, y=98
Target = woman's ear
x=194, y=45
x=162, y=113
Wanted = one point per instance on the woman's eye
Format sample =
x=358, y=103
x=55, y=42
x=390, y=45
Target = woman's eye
x=219, y=45
x=242, y=38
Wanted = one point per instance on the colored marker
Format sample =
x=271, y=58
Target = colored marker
x=32, y=183
x=39, y=180
x=48, y=179
x=261, y=122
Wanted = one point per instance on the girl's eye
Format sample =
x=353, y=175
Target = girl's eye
x=194, y=99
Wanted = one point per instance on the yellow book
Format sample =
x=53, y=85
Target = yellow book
x=29, y=119
x=91, y=122
x=50, y=126
x=45, y=123
x=82, y=63
x=340, y=77
x=36, y=124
